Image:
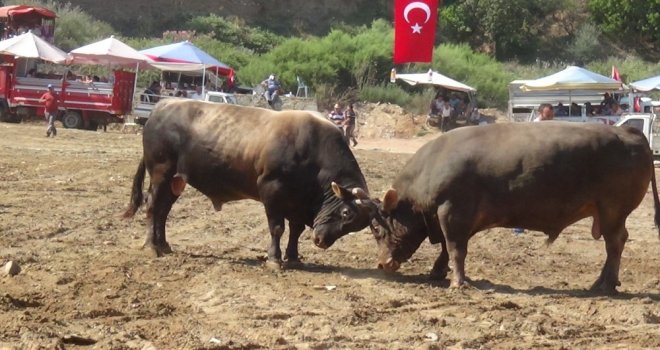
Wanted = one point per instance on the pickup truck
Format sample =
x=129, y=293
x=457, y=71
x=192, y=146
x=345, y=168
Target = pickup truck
x=143, y=109
x=649, y=124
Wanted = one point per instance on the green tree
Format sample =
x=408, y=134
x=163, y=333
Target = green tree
x=235, y=32
x=632, y=21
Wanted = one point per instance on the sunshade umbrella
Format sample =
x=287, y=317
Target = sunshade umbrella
x=647, y=84
x=573, y=78
x=31, y=46
x=107, y=51
x=434, y=78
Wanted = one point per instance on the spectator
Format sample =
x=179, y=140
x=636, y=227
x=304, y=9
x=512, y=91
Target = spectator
x=575, y=110
x=152, y=93
x=51, y=107
x=337, y=117
x=545, y=113
x=589, y=109
x=561, y=110
x=350, y=122
x=272, y=87
x=445, y=113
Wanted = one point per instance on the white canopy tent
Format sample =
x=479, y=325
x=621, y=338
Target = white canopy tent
x=573, y=78
x=29, y=45
x=646, y=85
x=434, y=78
x=107, y=51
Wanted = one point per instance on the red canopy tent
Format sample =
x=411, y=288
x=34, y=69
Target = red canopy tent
x=19, y=19
x=24, y=11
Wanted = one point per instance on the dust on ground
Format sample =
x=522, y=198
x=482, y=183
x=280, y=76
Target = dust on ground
x=86, y=283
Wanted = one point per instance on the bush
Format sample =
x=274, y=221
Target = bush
x=385, y=93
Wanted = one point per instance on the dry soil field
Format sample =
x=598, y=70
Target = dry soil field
x=86, y=284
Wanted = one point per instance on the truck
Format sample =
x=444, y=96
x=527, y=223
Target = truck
x=522, y=105
x=647, y=123
x=144, y=106
x=82, y=105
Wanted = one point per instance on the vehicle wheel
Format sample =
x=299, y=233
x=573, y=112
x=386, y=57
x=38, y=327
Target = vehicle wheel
x=7, y=117
x=72, y=120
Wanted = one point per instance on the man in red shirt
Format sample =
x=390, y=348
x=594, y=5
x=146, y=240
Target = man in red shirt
x=50, y=101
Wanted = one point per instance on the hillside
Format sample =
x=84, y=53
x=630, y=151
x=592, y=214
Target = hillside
x=289, y=17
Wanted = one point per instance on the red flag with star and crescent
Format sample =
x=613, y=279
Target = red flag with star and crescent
x=414, y=30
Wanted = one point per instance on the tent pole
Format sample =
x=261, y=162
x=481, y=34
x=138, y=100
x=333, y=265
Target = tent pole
x=137, y=69
x=203, y=80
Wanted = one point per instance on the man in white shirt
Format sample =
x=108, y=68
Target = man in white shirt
x=445, y=113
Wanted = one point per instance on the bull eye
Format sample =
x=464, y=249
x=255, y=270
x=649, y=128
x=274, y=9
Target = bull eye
x=345, y=213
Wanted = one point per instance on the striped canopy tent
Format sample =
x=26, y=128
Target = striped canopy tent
x=186, y=52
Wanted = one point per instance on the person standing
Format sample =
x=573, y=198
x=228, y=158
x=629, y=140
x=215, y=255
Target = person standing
x=445, y=114
x=51, y=107
x=349, y=122
x=336, y=116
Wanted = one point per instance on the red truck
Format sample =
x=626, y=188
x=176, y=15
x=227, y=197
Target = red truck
x=82, y=105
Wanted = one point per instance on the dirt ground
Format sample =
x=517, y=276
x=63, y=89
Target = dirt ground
x=86, y=282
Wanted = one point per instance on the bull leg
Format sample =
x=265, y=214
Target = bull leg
x=292, y=257
x=441, y=265
x=159, y=205
x=458, y=252
x=276, y=226
x=615, y=240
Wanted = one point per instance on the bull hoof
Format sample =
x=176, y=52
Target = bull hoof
x=460, y=284
x=439, y=275
x=274, y=265
x=293, y=265
x=157, y=251
x=166, y=249
x=605, y=287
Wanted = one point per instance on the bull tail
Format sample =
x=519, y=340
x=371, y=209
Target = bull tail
x=136, y=193
x=656, y=201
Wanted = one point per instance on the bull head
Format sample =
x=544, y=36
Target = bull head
x=398, y=231
x=349, y=211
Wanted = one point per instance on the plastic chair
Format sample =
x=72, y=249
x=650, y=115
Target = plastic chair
x=301, y=87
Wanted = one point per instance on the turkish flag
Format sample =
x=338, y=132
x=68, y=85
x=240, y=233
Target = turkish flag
x=615, y=74
x=414, y=30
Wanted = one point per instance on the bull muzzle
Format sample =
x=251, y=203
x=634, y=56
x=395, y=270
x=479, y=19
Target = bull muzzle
x=390, y=265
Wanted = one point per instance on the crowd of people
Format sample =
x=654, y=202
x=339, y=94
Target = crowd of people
x=607, y=107
x=450, y=108
x=345, y=121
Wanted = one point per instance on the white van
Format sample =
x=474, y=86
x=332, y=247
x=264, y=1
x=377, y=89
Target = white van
x=143, y=109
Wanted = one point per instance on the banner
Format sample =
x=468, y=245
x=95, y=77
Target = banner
x=415, y=24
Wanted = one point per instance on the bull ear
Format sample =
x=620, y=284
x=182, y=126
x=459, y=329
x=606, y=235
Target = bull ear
x=390, y=200
x=340, y=192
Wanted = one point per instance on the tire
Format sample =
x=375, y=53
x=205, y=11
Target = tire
x=72, y=120
x=6, y=116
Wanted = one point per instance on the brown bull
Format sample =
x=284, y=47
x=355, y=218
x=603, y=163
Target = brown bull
x=538, y=176
x=296, y=163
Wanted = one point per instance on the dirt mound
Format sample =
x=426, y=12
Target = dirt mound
x=384, y=120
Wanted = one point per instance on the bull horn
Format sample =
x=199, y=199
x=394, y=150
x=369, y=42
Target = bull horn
x=360, y=193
